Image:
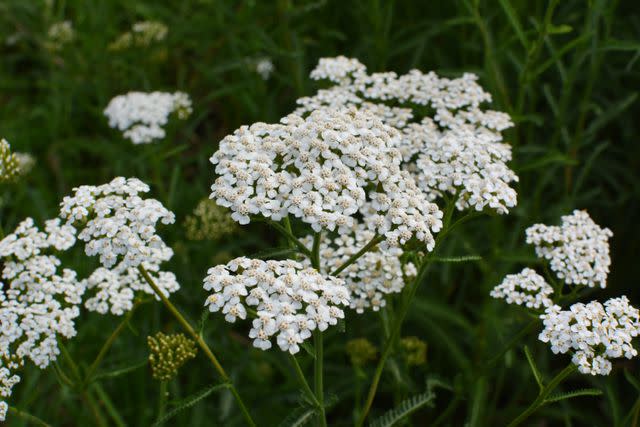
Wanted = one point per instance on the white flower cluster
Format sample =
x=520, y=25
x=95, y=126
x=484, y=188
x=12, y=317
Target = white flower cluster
x=59, y=34
x=323, y=170
x=373, y=276
x=290, y=300
x=264, y=67
x=142, y=34
x=526, y=288
x=456, y=148
x=119, y=227
x=577, y=250
x=37, y=304
x=142, y=116
x=595, y=333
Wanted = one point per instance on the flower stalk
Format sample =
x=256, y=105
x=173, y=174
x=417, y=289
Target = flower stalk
x=200, y=341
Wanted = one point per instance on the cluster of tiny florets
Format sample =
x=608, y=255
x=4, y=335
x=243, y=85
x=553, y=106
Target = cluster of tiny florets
x=9, y=162
x=323, y=170
x=361, y=351
x=209, y=222
x=577, y=250
x=142, y=35
x=59, y=34
x=38, y=303
x=526, y=288
x=455, y=149
x=594, y=332
x=414, y=351
x=290, y=300
x=168, y=353
x=142, y=116
x=119, y=227
x=373, y=276
x=264, y=67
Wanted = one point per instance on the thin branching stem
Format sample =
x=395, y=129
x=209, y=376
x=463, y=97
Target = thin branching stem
x=542, y=396
x=199, y=340
x=318, y=344
x=27, y=417
x=306, y=388
x=366, y=248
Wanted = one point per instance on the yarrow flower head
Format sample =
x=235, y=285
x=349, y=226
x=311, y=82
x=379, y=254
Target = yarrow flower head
x=168, y=353
x=264, y=67
x=38, y=304
x=526, y=288
x=59, y=34
x=594, y=332
x=9, y=162
x=453, y=148
x=142, y=116
x=289, y=299
x=323, y=169
x=142, y=34
x=373, y=276
x=209, y=222
x=577, y=250
x=119, y=227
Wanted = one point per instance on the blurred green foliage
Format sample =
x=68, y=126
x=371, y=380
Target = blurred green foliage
x=567, y=71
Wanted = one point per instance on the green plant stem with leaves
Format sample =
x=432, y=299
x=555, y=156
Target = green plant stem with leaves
x=544, y=393
x=201, y=343
x=27, y=417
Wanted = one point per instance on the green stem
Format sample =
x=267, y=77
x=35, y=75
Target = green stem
x=303, y=381
x=162, y=401
x=108, y=404
x=287, y=233
x=376, y=239
x=107, y=345
x=318, y=380
x=405, y=304
x=544, y=393
x=517, y=337
x=201, y=343
x=27, y=417
x=318, y=343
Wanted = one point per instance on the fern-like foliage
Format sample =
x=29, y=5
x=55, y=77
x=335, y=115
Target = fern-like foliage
x=190, y=401
x=571, y=394
x=397, y=414
x=299, y=417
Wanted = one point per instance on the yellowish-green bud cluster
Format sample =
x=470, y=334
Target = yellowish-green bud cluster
x=9, y=162
x=361, y=351
x=415, y=350
x=168, y=353
x=209, y=222
x=142, y=34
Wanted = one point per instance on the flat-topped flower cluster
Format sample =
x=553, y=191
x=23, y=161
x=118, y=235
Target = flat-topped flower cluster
x=594, y=332
x=447, y=141
x=142, y=116
x=577, y=250
x=323, y=170
x=287, y=300
x=119, y=227
x=578, y=253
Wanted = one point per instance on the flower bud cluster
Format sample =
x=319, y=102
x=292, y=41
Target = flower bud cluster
x=142, y=116
x=526, y=288
x=142, y=34
x=290, y=300
x=415, y=351
x=577, y=250
x=168, y=353
x=9, y=162
x=595, y=333
x=323, y=169
x=59, y=34
x=454, y=149
x=209, y=222
x=361, y=351
x=373, y=276
x=119, y=227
